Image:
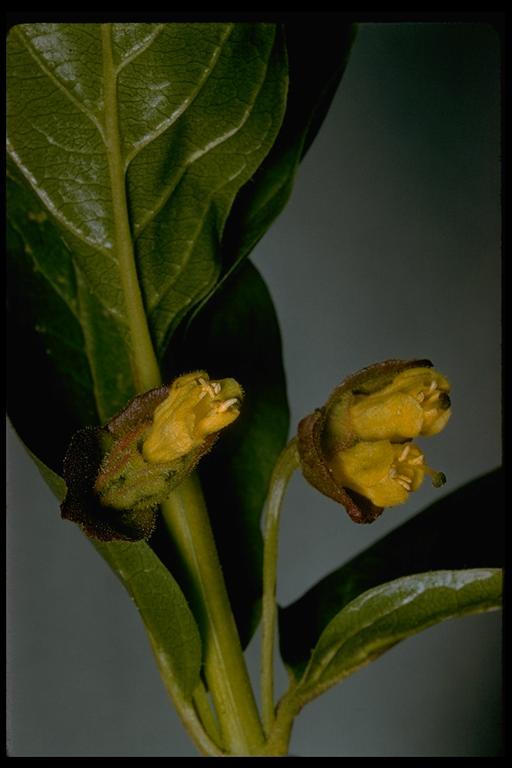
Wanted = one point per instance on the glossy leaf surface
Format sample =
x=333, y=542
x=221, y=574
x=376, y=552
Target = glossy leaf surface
x=465, y=529
x=384, y=615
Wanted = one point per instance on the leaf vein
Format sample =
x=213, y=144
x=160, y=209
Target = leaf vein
x=138, y=50
x=50, y=75
x=50, y=205
x=167, y=123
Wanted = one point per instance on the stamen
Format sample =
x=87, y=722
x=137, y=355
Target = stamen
x=405, y=485
x=404, y=478
x=405, y=451
x=216, y=387
x=208, y=387
x=433, y=385
x=438, y=478
x=417, y=460
x=226, y=404
x=420, y=397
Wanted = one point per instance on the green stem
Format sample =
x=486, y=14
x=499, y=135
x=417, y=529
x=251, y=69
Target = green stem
x=206, y=715
x=146, y=372
x=284, y=469
x=226, y=673
x=279, y=736
x=188, y=715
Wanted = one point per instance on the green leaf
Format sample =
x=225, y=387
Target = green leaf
x=131, y=141
x=168, y=619
x=381, y=617
x=54, y=481
x=169, y=622
x=313, y=80
x=237, y=334
x=465, y=529
x=45, y=342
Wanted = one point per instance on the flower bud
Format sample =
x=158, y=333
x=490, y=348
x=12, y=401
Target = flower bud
x=357, y=449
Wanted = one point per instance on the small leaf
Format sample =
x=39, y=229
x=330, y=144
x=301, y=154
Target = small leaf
x=448, y=534
x=171, y=627
x=169, y=622
x=381, y=617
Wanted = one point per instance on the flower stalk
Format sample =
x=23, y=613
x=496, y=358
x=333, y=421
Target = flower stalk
x=287, y=463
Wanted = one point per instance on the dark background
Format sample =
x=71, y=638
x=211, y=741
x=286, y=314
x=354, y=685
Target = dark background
x=390, y=247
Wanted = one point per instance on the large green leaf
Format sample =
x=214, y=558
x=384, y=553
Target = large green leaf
x=381, y=617
x=134, y=140
x=237, y=334
x=465, y=529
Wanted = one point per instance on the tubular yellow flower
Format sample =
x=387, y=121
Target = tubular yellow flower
x=194, y=409
x=357, y=449
x=382, y=471
x=415, y=403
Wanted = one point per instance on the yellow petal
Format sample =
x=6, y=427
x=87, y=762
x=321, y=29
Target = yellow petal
x=194, y=409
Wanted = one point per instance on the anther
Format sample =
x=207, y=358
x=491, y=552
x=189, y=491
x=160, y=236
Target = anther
x=226, y=404
x=405, y=451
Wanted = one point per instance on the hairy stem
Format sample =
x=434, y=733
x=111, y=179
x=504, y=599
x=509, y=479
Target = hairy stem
x=279, y=736
x=226, y=673
x=284, y=469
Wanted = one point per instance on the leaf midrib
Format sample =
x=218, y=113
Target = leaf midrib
x=146, y=373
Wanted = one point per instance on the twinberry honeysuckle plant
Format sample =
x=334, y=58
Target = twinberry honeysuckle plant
x=145, y=161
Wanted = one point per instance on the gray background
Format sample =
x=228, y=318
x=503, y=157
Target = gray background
x=390, y=247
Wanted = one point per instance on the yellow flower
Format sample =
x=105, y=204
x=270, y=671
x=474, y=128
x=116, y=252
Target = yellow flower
x=194, y=409
x=415, y=403
x=357, y=448
x=383, y=472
